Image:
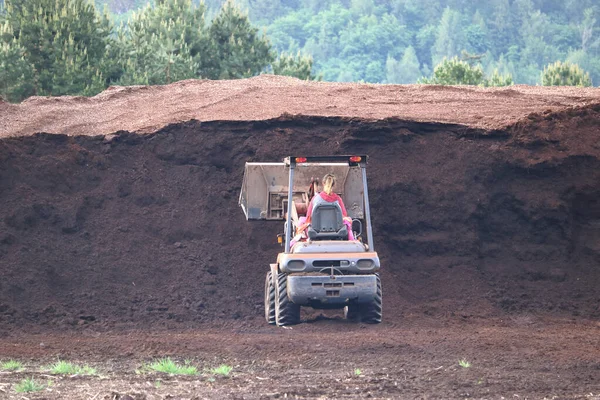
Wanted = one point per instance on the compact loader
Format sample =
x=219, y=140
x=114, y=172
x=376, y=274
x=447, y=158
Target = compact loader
x=321, y=266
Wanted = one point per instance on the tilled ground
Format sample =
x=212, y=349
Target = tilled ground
x=524, y=357
x=121, y=241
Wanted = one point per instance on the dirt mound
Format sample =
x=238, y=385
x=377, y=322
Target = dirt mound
x=145, y=230
x=146, y=109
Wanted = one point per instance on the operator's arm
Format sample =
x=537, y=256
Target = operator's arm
x=309, y=210
x=341, y=202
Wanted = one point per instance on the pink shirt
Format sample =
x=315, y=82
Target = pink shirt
x=305, y=222
x=329, y=198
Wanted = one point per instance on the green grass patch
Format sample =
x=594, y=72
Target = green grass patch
x=464, y=363
x=223, y=370
x=168, y=366
x=67, y=368
x=357, y=372
x=11, y=365
x=29, y=385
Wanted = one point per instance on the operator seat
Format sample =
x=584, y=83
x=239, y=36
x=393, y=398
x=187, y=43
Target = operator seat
x=327, y=221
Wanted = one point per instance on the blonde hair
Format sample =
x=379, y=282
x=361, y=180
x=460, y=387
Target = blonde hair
x=328, y=183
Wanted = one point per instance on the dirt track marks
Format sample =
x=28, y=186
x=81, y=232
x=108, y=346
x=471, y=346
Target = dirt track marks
x=543, y=358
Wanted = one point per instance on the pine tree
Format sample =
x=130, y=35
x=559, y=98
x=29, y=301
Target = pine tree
x=497, y=79
x=170, y=41
x=161, y=44
x=64, y=41
x=565, y=74
x=455, y=72
x=299, y=66
x=17, y=79
x=236, y=49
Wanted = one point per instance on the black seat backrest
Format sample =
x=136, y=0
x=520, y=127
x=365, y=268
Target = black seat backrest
x=327, y=221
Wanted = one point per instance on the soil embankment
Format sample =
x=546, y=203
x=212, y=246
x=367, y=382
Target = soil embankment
x=495, y=213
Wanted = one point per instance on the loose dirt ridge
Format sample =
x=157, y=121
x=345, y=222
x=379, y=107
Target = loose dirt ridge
x=146, y=109
x=119, y=214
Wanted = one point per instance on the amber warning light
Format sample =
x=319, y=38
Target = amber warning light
x=355, y=159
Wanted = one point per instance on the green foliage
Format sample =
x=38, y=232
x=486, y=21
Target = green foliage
x=565, y=74
x=464, y=363
x=404, y=71
x=66, y=47
x=461, y=72
x=497, y=79
x=366, y=44
x=171, y=41
x=161, y=44
x=451, y=36
x=366, y=39
x=587, y=62
x=455, y=72
x=17, y=74
x=357, y=372
x=236, y=50
x=56, y=45
x=223, y=370
x=587, y=30
x=299, y=66
x=168, y=366
x=29, y=385
x=11, y=365
x=67, y=368
x=289, y=32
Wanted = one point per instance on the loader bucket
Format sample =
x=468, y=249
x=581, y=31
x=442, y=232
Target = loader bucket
x=264, y=193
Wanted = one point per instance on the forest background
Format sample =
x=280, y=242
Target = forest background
x=375, y=41
x=399, y=41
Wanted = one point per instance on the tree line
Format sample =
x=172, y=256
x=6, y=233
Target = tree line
x=58, y=47
x=400, y=41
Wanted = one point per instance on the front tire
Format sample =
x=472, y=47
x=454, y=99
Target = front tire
x=370, y=313
x=269, y=299
x=286, y=312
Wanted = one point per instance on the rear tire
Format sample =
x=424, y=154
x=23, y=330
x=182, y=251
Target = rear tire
x=370, y=313
x=269, y=299
x=286, y=312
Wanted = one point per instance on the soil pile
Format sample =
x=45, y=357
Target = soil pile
x=146, y=109
x=139, y=230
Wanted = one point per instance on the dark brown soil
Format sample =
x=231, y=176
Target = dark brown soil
x=519, y=356
x=489, y=236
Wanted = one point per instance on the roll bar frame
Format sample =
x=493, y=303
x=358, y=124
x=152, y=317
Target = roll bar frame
x=295, y=161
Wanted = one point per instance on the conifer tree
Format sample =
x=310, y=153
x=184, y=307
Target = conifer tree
x=498, y=79
x=455, y=72
x=64, y=41
x=460, y=72
x=298, y=66
x=170, y=41
x=161, y=43
x=17, y=79
x=565, y=74
x=236, y=49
